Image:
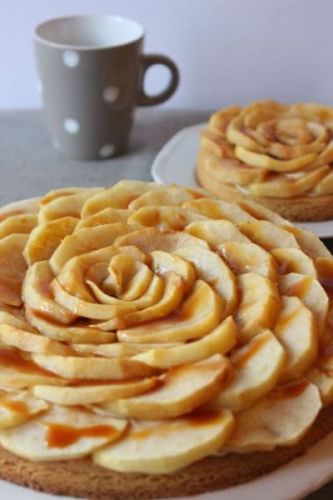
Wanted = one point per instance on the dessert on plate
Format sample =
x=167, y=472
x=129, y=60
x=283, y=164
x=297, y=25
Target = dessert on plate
x=157, y=341
x=277, y=155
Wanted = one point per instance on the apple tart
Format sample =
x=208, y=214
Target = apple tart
x=277, y=155
x=157, y=341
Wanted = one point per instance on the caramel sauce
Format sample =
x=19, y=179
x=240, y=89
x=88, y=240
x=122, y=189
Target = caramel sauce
x=14, y=406
x=45, y=317
x=240, y=358
x=61, y=436
x=324, y=267
x=285, y=320
x=195, y=419
x=203, y=417
x=290, y=390
x=11, y=358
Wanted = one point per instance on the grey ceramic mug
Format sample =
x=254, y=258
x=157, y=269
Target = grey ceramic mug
x=91, y=71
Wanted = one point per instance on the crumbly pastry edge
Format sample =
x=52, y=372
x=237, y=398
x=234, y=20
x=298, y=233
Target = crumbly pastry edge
x=81, y=478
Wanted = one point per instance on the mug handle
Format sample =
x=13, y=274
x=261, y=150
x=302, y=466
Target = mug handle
x=149, y=60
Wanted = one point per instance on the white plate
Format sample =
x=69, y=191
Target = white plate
x=176, y=161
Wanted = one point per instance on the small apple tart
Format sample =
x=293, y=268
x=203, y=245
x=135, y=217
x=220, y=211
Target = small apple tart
x=277, y=155
x=157, y=341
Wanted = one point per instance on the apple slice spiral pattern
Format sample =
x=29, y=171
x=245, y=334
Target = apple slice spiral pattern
x=148, y=326
x=271, y=153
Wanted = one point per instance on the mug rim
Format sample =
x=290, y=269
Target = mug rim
x=50, y=43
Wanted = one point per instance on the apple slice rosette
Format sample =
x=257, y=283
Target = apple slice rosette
x=278, y=155
x=149, y=326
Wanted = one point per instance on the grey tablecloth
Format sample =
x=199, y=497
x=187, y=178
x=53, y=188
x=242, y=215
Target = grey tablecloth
x=29, y=166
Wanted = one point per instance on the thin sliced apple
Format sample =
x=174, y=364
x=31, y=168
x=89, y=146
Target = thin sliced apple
x=85, y=241
x=93, y=368
x=106, y=216
x=183, y=389
x=118, y=349
x=262, y=213
x=31, y=342
x=78, y=333
x=118, y=196
x=130, y=276
x=150, y=239
x=257, y=367
x=220, y=340
x=61, y=434
x=296, y=329
x=174, y=218
x=89, y=310
x=268, y=235
x=66, y=205
x=12, y=268
x=93, y=394
x=248, y=257
x=172, y=297
x=294, y=260
x=19, y=224
x=73, y=275
x=115, y=350
x=284, y=187
x=325, y=186
x=18, y=407
x=259, y=305
x=267, y=162
x=280, y=419
x=308, y=241
x=215, y=232
x=309, y=291
x=46, y=237
x=210, y=268
x=163, y=263
x=321, y=374
x=7, y=318
x=219, y=209
x=37, y=294
x=170, y=196
x=17, y=372
x=164, y=447
x=200, y=313
x=58, y=193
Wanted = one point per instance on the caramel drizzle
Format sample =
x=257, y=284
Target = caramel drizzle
x=61, y=436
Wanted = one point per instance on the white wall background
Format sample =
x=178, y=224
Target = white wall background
x=227, y=50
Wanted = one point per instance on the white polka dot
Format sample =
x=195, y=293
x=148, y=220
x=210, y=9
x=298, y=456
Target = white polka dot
x=71, y=58
x=56, y=144
x=111, y=93
x=39, y=85
x=107, y=150
x=71, y=126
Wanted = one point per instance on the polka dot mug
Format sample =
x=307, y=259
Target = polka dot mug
x=91, y=75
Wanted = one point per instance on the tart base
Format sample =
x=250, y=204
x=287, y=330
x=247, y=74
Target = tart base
x=300, y=209
x=81, y=478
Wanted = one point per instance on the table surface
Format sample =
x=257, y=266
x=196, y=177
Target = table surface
x=30, y=166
